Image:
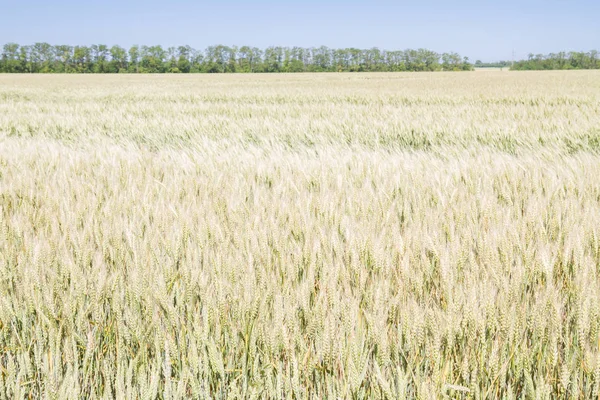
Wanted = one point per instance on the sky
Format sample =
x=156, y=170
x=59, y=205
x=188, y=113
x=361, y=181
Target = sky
x=482, y=30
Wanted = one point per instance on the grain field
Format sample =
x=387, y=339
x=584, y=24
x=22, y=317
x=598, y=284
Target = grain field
x=300, y=236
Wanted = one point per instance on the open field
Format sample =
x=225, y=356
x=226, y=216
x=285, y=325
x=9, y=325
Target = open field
x=300, y=236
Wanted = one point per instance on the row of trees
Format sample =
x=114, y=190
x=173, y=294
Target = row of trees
x=497, y=64
x=45, y=58
x=562, y=60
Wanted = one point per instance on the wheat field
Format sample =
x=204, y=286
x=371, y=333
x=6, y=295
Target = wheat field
x=300, y=236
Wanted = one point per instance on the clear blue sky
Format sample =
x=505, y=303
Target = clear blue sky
x=484, y=29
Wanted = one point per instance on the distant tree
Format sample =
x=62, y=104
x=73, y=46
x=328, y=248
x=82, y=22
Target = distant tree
x=25, y=59
x=196, y=60
x=466, y=66
x=321, y=59
x=232, y=59
x=118, y=59
x=153, y=59
x=273, y=59
x=183, y=59
x=134, y=58
x=100, y=58
x=64, y=58
x=452, y=62
x=41, y=57
x=245, y=58
x=9, y=61
x=82, y=59
x=431, y=60
x=171, y=60
x=219, y=59
x=295, y=66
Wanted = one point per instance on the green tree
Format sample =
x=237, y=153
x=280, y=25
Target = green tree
x=153, y=59
x=41, y=57
x=10, y=58
x=100, y=58
x=64, y=58
x=82, y=59
x=118, y=59
x=244, y=59
x=217, y=58
x=273, y=59
x=25, y=59
x=134, y=58
x=184, y=64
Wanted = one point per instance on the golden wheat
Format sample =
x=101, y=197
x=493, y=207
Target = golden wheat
x=300, y=236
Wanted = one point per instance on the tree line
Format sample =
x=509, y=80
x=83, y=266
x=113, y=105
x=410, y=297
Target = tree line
x=496, y=64
x=46, y=58
x=562, y=60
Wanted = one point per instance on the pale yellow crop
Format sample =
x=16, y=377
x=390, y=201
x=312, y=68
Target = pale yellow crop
x=300, y=236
